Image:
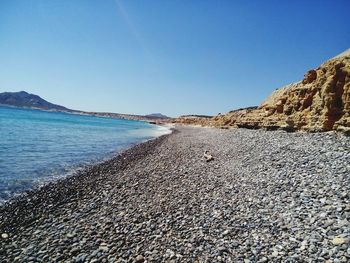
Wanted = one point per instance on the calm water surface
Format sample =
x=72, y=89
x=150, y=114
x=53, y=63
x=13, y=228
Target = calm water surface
x=38, y=146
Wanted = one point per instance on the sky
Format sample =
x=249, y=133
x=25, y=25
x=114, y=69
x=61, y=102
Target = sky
x=170, y=56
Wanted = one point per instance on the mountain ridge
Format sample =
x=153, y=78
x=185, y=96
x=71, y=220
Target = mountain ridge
x=23, y=99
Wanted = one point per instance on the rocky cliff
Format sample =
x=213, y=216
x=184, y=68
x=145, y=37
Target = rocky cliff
x=320, y=102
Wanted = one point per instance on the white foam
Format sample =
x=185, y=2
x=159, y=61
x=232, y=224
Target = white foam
x=163, y=130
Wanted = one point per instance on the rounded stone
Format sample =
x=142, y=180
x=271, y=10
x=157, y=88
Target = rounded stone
x=139, y=259
x=338, y=241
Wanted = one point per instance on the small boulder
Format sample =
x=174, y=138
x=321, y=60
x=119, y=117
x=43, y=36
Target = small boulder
x=338, y=241
x=139, y=259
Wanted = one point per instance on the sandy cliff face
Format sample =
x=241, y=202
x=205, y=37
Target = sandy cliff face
x=320, y=102
x=193, y=120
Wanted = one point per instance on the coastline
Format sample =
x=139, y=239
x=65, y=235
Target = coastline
x=121, y=116
x=56, y=145
x=19, y=209
x=266, y=196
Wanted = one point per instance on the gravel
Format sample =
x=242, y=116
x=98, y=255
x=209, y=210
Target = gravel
x=267, y=196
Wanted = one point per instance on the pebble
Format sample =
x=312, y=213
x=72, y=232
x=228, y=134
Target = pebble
x=338, y=241
x=275, y=254
x=139, y=259
x=267, y=196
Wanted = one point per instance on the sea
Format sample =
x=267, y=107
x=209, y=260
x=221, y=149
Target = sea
x=37, y=147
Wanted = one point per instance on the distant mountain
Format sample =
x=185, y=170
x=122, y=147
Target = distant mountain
x=26, y=100
x=157, y=115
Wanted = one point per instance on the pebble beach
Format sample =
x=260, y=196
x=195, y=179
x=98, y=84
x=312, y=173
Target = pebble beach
x=267, y=196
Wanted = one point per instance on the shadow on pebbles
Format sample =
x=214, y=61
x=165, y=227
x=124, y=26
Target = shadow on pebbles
x=264, y=196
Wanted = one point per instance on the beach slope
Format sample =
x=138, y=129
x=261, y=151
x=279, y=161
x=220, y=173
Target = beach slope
x=265, y=196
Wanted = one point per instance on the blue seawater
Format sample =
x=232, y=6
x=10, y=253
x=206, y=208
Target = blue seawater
x=38, y=146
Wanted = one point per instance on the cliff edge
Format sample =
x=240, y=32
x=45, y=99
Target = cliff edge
x=320, y=102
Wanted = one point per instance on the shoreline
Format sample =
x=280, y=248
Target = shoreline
x=267, y=196
x=18, y=209
x=120, y=116
x=28, y=164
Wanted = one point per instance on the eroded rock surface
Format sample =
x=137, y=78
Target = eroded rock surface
x=320, y=102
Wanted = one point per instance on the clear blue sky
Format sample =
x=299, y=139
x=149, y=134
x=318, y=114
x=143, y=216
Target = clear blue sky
x=175, y=57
